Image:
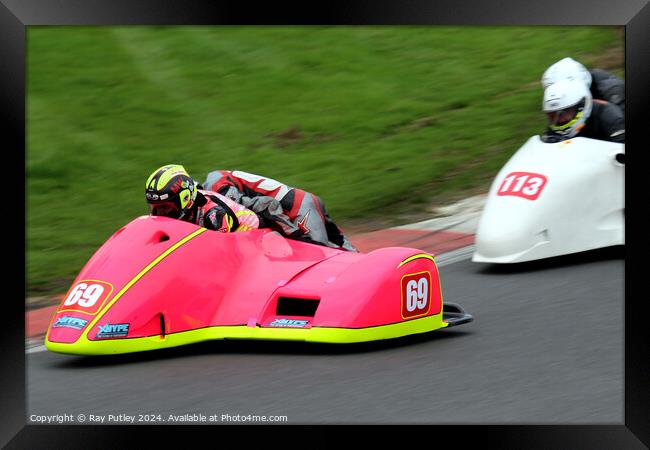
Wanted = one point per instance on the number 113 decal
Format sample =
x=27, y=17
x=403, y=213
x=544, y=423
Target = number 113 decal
x=523, y=184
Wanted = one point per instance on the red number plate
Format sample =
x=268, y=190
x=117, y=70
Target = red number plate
x=416, y=295
x=87, y=296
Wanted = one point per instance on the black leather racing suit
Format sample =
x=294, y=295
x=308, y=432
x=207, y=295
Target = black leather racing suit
x=606, y=86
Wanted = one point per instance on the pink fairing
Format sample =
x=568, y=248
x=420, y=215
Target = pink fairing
x=164, y=276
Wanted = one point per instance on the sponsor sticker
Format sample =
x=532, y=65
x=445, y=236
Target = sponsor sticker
x=113, y=330
x=70, y=322
x=289, y=323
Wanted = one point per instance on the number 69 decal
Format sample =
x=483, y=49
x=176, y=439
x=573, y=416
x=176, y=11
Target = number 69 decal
x=522, y=184
x=416, y=295
x=87, y=296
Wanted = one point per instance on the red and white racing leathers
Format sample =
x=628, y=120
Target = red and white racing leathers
x=293, y=212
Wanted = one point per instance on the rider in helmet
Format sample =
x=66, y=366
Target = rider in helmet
x=170, y=192
x=602, y=85
x=572, y=112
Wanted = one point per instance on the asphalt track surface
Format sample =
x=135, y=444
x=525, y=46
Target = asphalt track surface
x=546, y=347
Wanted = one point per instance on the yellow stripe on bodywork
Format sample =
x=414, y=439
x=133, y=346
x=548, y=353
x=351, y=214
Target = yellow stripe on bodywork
x=316, y=334
x=84, y=335
x=414, y=257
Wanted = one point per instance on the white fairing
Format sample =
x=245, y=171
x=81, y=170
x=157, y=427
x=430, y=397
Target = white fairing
x=553, y=199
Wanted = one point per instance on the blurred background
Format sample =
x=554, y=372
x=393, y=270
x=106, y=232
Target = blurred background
x=382, y=122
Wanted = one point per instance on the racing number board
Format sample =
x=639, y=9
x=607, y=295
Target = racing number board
x=87, y=296
x=416, y=295
x=523, y=184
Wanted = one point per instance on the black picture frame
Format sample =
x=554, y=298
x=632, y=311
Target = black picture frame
x=16, y=15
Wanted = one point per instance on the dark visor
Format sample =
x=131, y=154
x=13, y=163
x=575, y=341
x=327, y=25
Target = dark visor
x=562, y=117
x=168, y=209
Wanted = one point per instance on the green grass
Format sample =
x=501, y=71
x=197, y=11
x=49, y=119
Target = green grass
x=387, y=117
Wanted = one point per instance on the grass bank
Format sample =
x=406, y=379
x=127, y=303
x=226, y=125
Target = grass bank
x=379, y=121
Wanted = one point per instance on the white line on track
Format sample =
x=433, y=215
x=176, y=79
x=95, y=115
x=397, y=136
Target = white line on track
x=443, y=259
x=37, y=349
x=455, y=256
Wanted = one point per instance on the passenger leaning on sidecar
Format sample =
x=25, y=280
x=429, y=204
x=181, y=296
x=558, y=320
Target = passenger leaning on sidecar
x=572, y=112
x=308, y=217
x=170, y=192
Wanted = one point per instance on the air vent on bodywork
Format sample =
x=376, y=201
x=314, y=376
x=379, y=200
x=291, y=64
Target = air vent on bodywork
x=291, y=306
x=163, y=328
x=158, y=237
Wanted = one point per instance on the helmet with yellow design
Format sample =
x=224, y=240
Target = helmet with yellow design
x=567, y=104
x=170, y=191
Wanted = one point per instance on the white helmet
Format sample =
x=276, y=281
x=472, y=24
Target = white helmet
x=567, y=104
x=566, y=68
